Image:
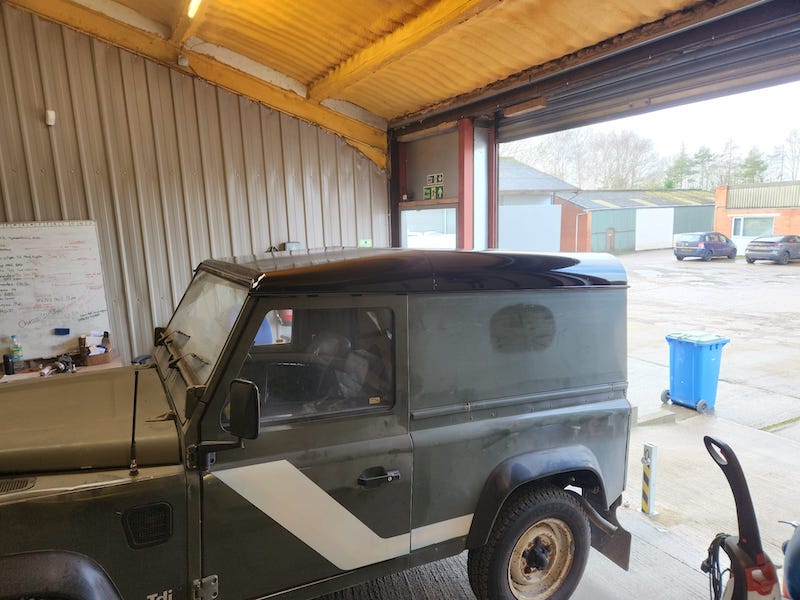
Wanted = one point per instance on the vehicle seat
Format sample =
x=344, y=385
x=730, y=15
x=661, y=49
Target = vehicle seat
x=328, y=351
x=327, y=347
x=360, y=376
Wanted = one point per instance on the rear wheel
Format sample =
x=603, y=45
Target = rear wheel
x=750, y=261
x=679, y=257
x=537, y=549
x=783, y=258
x=706, y=256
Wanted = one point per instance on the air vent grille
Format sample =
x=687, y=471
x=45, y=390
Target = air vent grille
x=9, y=486
x=148, y=525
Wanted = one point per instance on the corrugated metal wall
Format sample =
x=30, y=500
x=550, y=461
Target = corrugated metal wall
x=172, y=169
x=785, y=194
x=693, y=218
x=623, y=236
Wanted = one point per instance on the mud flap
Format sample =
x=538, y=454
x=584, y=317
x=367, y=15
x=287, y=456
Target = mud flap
x=608, y=536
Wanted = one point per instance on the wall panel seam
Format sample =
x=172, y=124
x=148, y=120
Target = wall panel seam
x=26, y=151
x=160, y=179
x=44, y=78
x=137, y=183
x=114, y=188
x=181, y=160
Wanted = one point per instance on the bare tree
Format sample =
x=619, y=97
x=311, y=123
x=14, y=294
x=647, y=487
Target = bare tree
x=723, y=169
x=776, y=162
x=791, y=146
x=591, y=159
x=784, y=162
x=626, y=160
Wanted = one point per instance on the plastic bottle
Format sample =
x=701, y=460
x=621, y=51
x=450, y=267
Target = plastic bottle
x=16, y=347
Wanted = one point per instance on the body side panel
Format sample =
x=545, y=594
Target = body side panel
x=86, y=514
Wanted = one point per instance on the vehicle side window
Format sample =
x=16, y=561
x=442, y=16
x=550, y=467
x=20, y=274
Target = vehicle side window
x=315, y=362
x=276, y=328
x=510, y=345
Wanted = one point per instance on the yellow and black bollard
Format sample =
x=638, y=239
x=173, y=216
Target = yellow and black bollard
x=649, y=479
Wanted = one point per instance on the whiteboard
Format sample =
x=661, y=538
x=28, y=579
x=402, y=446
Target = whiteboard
x=50, y=277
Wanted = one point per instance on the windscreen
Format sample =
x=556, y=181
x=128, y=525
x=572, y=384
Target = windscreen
x=201, y=324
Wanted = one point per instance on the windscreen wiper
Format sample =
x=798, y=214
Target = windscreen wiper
x=168, y=334
x=174, y=362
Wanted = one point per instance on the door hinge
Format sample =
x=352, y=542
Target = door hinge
x=206, y=588
x=201, y=456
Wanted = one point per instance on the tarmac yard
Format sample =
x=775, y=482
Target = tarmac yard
x=757, y=413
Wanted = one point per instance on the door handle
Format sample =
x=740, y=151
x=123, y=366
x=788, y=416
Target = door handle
x=377, y=476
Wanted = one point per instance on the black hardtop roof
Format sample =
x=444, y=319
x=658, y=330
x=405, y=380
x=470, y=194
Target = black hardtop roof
x=399, y=270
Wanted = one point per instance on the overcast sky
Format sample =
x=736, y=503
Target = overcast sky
x=761, y=118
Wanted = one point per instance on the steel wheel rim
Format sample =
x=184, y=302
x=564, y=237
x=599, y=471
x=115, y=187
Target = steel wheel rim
x=551, y=538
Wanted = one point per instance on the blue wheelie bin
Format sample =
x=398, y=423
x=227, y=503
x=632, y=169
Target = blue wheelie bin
x=694, y=359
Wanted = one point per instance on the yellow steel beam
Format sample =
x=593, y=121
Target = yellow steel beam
x=368, y=139
x=442, y=17
x=98, y=25
x=358, y=134
x=185, y=27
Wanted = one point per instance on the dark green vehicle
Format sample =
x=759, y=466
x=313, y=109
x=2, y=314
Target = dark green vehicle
x=310, y=421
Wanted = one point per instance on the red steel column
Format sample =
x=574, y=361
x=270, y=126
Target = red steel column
x=466, y=182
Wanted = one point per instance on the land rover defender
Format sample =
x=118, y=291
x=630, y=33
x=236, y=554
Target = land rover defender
x=311, y=420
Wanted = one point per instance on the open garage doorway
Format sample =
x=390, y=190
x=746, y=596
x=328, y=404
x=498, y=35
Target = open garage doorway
x=730, y=164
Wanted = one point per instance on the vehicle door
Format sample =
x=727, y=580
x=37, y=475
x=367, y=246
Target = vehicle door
x=326, y=486
x=726, y=243
x=715, y=244
x=793, y=243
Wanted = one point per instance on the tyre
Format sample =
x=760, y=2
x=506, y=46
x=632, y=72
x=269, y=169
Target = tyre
x=750, y=261
x=706, y=256
x=783, y=259
x=679, y=257
x=701, y=406
x=732, y=256
x=537, y=549
x=665, y=396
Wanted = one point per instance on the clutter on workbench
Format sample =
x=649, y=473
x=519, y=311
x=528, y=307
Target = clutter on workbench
x=63, y=364
x=94, y=348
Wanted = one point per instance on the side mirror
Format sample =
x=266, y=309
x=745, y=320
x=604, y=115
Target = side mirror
x=245, y=409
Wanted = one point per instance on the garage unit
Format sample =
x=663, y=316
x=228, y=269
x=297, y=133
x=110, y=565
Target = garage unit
x=193, y=130
x=250, y=125
x=628, y=220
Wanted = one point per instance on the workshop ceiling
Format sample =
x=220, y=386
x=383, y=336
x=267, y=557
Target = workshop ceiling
x=356, y=67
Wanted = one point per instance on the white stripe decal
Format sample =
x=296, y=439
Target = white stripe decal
x=296, y=503
x=434, y=533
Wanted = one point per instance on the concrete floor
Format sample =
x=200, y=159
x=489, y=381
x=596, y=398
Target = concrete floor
x=757, y=412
